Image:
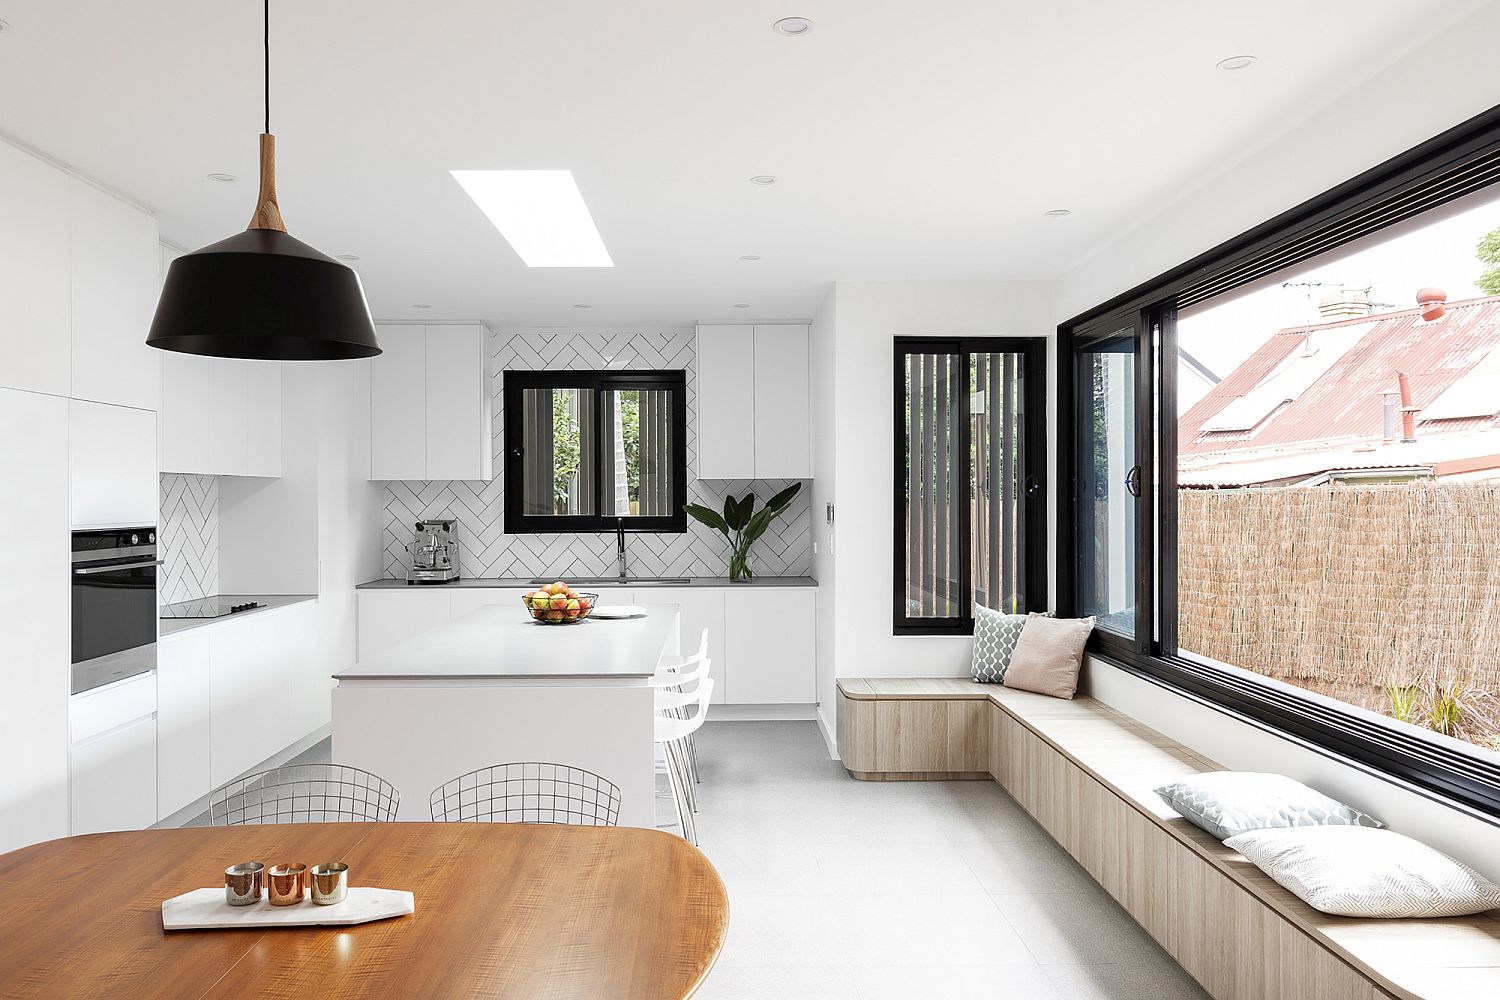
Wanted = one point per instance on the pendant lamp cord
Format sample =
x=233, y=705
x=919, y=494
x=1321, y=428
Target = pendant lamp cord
x=267, y=24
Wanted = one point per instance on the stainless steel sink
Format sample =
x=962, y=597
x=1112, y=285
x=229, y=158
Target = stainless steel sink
x=633, y=581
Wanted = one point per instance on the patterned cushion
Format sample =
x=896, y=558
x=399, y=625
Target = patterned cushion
x=1356, y=872
x=1226, y=803
x=995, y=635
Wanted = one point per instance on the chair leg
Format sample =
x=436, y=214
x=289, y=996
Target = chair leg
x=692, y=745
x=678, y=775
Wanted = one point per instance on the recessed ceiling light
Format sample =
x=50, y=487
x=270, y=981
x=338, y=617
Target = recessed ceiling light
x=793, y=25
x=1237, y=62
x=750, y=257
x=763, y=179
x=540, y=213
x=742, y=305
x=350, y=257
x=421, y=305
x=582, y=305
x=1058, y=213
x=223, y=178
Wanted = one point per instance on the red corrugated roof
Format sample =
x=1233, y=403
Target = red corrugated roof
x=1344, y=405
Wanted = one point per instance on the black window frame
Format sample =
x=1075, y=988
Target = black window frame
x=1032, y=474
x=1443, y=170
x=513, y=386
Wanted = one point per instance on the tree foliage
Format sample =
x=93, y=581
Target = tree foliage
x=1488, y=253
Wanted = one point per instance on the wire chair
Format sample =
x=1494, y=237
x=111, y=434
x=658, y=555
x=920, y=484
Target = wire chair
x=528, y=792
x=304, y=793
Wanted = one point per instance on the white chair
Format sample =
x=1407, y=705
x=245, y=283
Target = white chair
x=667, y=671
x=672, y=734
x=669, y=663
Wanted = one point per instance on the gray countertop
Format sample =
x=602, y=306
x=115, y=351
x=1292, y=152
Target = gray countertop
x=790, y=582
x=173, y=626
x=502, y=641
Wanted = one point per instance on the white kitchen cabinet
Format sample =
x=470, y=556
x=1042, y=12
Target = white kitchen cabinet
x=753, y=402
x=114, y=280
x=112, y=465
x=228, y=415
x=187, y=440
x=387, y=617
x=398, y=404
x=726, y=402
x=35, y=336
x=309, y=681
x=263, y=434
x=460, y=435
x=183, y=741
x=248, y=685
x=771, y=634
x=783, y=446
x=430, y=404
x=34, y=613
x=112, y=757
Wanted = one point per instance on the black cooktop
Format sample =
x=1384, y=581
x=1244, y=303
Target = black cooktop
x=207, y=608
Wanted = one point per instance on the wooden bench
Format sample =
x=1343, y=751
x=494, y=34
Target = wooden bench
x=1087, y=774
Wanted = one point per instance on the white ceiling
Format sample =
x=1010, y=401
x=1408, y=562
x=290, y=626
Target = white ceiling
x=917, y=140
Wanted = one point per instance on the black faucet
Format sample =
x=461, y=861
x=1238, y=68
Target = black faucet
x=620, y=545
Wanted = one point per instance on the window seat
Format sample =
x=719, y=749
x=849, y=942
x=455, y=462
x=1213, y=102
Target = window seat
x=1086, y=773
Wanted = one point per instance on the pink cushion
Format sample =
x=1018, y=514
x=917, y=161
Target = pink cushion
x=1048, y=655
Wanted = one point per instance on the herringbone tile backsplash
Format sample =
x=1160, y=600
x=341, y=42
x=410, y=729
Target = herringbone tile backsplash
x=784, y=550
x=188, y=537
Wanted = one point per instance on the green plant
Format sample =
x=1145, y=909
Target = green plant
x=1449, y=708
x=1403, y=701
x=1488, y=253
x=741, y=524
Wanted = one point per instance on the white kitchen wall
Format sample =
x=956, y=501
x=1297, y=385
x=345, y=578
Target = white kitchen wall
x=187, y=536
x=1396, y=107
x=785, y=549
x=825, y=403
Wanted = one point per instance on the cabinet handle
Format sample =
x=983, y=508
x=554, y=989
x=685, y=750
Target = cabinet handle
x=90, y=570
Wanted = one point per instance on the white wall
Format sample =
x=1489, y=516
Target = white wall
x=866, y=317
x=1441, y=85
x=825, y=404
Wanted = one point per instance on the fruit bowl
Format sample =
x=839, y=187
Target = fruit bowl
x=559, y=604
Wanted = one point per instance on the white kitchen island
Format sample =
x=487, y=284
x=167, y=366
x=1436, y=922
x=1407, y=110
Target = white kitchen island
x=494, y=687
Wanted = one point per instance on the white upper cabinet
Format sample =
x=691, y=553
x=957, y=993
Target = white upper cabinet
x=430, y=405
x=115, y=277
x=35, y=337
x=112, y=480
x=753, y=403
x=726, y=402
x=263, y=435
x=228, y=415
x=783, y=448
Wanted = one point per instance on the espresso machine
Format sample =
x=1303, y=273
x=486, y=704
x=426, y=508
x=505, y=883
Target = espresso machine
x=434, y=552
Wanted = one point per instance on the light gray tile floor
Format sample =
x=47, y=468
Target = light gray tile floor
x=849, y=890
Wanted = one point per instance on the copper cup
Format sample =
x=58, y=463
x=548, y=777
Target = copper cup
x=243, y=883
x=286, y=884
x=330, y=883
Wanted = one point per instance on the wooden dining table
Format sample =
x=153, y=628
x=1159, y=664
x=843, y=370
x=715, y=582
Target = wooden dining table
x=502, y=910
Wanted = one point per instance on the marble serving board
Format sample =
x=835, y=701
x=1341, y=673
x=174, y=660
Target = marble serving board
x=205, y=909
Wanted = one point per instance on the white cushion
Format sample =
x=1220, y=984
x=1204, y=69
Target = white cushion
x=1229, y=802
x=1360, y=872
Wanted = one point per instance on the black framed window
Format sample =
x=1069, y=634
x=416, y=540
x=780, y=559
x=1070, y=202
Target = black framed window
x=1284, y=471
x=587, y=450
x=970, y=455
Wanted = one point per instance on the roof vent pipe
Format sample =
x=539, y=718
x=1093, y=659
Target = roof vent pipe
x=1408, y=411
x=1388, y=416
x=1431, y=300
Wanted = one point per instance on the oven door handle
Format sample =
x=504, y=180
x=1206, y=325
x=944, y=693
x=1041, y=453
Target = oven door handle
x=90, y=570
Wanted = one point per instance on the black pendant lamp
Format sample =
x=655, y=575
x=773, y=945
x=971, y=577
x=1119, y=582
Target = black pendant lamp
x=263, y=294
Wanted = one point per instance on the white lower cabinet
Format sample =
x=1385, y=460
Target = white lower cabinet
x=112, y=757
x=249, y=703
x=762, y=641
x=387, y=617
x=309, y=687
x=183, y=744
x=772, y=637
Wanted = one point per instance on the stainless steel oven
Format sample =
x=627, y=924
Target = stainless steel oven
x=114, y=605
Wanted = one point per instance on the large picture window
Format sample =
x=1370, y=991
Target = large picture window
x=970, y=454
x=1286, y=457
x=588, y=451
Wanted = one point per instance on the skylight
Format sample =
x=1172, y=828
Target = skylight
x=540, y=213
x=1290, y=379
x=1476, y=394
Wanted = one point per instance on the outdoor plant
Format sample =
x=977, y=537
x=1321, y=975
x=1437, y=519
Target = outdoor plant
x=1403, y=701
x=741, y=524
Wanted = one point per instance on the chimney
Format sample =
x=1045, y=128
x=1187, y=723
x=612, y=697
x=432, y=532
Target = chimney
x=1408, y=411
x=1431, y=300
x=1388, y=416
x=1348, y=303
